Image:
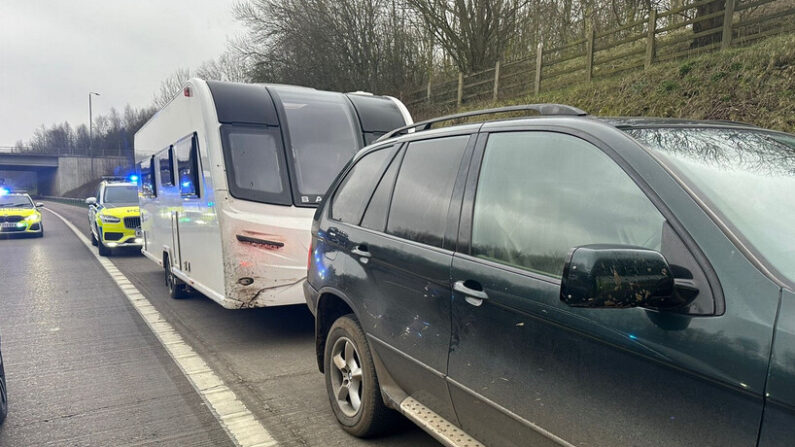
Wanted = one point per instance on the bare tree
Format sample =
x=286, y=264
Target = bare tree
x=473, y=32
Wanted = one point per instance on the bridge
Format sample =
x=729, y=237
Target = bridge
x=55, y=174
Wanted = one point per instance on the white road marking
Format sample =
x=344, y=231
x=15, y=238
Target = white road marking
x=240, y=424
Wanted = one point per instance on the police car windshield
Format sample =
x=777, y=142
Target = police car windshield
x=15, y=201
x=121, y=194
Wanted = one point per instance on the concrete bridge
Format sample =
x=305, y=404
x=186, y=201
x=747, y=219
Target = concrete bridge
x=56, y=174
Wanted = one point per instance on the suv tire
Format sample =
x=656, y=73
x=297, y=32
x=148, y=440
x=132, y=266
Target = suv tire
x=352, y=378
x=3, y=393
x=176, y=288
x=93, y=239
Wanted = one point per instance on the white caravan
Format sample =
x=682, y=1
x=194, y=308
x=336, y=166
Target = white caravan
x=230, y=175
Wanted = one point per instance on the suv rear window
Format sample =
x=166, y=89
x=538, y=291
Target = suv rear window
x=424, y=188
x=352, y=196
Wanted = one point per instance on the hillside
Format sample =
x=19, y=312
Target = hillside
x=753, y=84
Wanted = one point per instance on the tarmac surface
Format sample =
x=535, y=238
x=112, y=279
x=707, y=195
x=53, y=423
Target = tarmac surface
x=83, y=368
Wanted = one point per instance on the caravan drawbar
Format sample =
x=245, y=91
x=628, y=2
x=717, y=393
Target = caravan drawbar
x=230, y=175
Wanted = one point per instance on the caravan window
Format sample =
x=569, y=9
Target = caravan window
x=187, y=155
x=324, y=135
x=146, y=178
x=165, y=163
x=255, y=164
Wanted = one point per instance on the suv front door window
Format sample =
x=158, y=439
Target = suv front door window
x=587, y=376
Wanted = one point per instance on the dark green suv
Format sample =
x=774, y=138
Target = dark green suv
x=562, y=280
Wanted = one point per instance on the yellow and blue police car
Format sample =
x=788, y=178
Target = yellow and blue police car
x=19, y=215
x=113, y=215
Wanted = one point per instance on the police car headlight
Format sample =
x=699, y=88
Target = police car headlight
x=108, y=219
x=33, y=218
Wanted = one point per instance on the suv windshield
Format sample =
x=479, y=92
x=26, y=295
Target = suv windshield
x=121, y=194
x=324, y=135
x=15, y=201
x=746, y=176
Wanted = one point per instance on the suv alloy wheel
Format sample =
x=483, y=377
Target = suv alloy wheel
x=351, y=382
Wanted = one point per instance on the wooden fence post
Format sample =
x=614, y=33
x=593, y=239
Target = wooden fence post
x=428, y=90
x=539, y=60
x=589, y=54
x=496, y=80
x=650, y=42
x=728, y=16
x=460, y=88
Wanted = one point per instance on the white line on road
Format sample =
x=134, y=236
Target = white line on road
x=241, y=425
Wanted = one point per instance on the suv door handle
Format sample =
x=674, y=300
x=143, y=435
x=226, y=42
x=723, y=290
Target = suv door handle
x=361, y=251
x=474, y=296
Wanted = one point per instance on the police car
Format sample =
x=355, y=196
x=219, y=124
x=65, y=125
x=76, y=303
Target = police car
x=113, y=216
x=19, y=215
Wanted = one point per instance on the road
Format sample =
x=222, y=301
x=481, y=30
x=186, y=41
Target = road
x=84, y=369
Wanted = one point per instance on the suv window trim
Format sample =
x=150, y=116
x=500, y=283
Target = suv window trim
x=387, y=163
x=398, y=161
x=464, y=245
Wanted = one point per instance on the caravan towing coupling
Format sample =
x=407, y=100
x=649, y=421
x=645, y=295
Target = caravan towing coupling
x=231, y=174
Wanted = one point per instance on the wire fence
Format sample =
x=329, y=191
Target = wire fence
x=662, y=36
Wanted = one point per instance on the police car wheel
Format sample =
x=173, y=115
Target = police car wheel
x=103, y=250
x=93, y=239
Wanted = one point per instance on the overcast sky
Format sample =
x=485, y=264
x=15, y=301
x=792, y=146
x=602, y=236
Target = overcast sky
x=52, y=53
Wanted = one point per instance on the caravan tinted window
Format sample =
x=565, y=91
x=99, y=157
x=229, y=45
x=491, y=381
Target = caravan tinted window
x=186, y=153
x=165, y=164
x=255, y=164
x=146, y=177
x=324, y=134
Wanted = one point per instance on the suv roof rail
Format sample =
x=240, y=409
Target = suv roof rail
x=541, y=109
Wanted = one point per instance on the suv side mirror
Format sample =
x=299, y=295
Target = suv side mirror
x=615, y=276
x=39, y=205
x=91, y=201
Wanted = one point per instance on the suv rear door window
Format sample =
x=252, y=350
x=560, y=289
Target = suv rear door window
x=540, y=194
x=424, y=188
x=352, y=196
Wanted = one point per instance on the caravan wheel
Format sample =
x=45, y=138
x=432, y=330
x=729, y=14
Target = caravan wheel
x=176, y=288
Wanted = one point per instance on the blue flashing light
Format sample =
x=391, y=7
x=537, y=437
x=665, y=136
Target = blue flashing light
x=186, y=184
x=633, y=337
x=4, y=191
x=133, y=178
x=210, y=203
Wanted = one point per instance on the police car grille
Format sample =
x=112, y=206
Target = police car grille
x=11, y=218
x=132, y=222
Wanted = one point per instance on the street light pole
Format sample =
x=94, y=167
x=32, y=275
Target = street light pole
x=90, y=121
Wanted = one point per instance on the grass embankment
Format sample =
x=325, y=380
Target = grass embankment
x=753, y=84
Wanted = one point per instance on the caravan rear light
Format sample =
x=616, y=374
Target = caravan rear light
x=309, y=257
x=186, y=91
